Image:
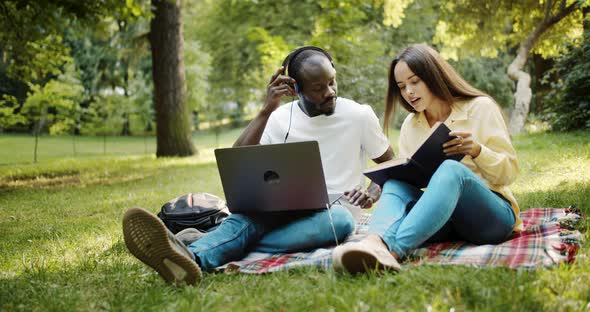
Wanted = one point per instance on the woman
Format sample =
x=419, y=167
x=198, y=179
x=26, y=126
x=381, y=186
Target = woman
x=468, y=200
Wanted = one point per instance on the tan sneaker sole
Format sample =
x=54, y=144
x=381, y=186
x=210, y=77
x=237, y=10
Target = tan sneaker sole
x=360, y=262
x=147, y=239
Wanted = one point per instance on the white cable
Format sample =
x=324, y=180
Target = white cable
x=329, y=208
x=332, y=223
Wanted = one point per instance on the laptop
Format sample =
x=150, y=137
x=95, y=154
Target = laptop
x=273, y=177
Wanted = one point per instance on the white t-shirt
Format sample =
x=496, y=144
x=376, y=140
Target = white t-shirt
x=345, y=138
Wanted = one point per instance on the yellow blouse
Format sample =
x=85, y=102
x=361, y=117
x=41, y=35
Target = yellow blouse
x=496, y=164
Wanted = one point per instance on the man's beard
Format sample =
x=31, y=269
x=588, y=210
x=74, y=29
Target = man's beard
x=312, y=109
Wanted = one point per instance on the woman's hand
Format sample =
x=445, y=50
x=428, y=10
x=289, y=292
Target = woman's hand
x=463, y=143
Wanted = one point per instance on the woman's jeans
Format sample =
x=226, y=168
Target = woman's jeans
x=456, y=204
x=271, y=232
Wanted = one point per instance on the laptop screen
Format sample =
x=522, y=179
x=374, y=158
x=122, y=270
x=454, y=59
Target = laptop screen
x=273, y=177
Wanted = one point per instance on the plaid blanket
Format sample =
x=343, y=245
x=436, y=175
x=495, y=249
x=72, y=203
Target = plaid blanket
x=548, y=238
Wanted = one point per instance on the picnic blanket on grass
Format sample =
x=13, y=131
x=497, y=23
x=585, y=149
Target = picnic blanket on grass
x=548, y=238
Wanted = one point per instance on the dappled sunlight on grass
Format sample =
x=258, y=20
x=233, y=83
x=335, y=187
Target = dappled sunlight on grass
x=554, y=169
x=107, y=170
x=547, y=174
x=62, y=246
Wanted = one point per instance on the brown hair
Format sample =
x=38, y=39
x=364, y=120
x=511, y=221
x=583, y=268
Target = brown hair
x=438, y=75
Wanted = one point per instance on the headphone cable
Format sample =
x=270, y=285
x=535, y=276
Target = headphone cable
x=290, y=119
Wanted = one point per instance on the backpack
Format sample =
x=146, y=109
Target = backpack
x=202, y=211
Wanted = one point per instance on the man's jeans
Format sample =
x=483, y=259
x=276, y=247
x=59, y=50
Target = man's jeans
x=457, y=204
x=271, y=232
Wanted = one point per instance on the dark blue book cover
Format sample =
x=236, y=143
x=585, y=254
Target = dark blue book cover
x=418, y=169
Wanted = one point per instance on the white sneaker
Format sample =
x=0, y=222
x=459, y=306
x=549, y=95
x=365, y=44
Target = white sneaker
x=363, y=256
x=148, y=239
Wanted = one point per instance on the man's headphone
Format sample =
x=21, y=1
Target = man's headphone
x=287, y=62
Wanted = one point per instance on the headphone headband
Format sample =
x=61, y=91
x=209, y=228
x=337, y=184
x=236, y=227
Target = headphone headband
x=294, y=53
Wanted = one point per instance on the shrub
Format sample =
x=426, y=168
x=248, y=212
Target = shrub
x=568, y=101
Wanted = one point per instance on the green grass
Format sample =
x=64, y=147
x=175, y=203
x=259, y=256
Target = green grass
x=61, y=245
x=19, y=149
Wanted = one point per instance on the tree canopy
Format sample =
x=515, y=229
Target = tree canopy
x=101, y=50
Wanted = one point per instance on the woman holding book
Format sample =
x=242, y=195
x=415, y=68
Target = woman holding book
x=467, y=200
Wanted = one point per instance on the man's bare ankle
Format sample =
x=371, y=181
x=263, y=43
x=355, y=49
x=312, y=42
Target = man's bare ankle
x=394, y=254
x=376, y=238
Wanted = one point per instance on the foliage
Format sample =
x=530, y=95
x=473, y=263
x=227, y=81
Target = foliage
x=8, y=112
x=568, y=101
x=241, y=39
x=197, y=64
x=488, y=75
x=141, y=104
x=502, y=25
x=233, y=46
x=55, y=102
x=394, y=12
x=111, y=58
x=31, y=31
x=247, y=41
x=40, y=39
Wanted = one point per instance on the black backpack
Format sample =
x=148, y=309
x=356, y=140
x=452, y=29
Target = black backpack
x=201, y=211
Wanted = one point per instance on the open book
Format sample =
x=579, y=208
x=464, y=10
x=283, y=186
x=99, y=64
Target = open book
x=419, y=168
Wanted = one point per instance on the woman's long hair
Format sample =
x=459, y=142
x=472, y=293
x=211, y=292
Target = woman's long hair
x=440, y=77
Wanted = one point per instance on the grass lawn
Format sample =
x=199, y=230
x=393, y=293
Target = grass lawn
x=61, y=245
x=19, y=149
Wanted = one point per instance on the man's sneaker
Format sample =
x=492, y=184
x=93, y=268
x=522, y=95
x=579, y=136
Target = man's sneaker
x=189, y=235
x=363, y=256
x=148, y=239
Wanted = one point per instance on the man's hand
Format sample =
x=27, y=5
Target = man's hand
x=364, y=198
x=277, y=88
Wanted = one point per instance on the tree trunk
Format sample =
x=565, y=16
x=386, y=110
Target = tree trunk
x=585, y=12
x=126, y=131
x=36, y=145
x=523, y=94
x=37, y=129
x=173, y=131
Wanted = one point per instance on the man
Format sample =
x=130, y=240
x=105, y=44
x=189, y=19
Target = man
x=345, y=131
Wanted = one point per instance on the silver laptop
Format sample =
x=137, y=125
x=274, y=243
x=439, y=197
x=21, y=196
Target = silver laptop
x=274, y=177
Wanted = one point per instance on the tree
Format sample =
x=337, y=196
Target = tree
x=37, y=44
x=55, y=101
x=248, y=40
x=488, y=27
x=568, y=101
x=8, y=114
x=173, y=119
x=30, y=32
x=523, y=80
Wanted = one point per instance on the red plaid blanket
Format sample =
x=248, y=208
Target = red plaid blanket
x=548, y=238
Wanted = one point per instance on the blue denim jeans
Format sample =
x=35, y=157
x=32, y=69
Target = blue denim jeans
x=271, y=232
x=456, y=205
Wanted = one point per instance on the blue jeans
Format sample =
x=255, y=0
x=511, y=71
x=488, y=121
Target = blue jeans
x=456, y=205
x=280, y=232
